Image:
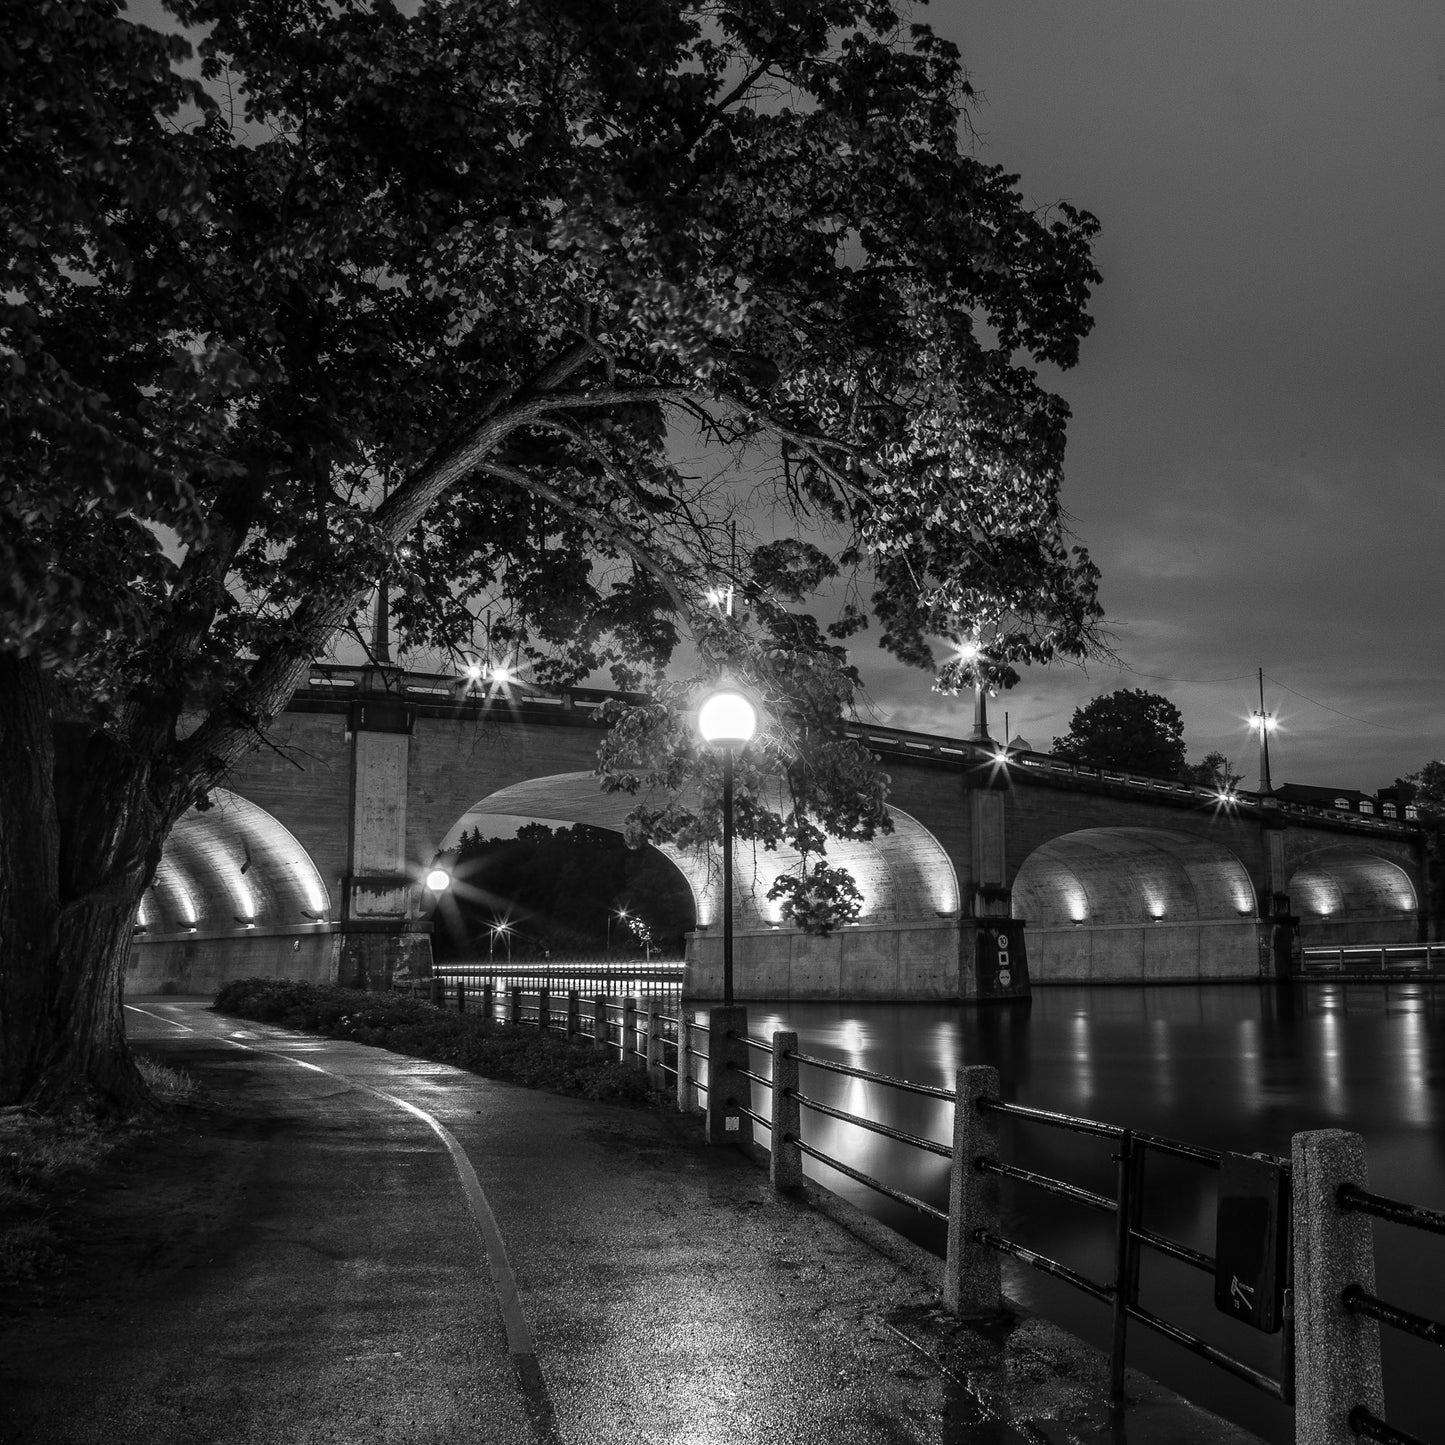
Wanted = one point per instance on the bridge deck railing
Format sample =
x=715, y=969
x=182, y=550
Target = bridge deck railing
x=442, y=689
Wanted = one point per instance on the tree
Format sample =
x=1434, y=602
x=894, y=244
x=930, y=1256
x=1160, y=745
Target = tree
x=426, y=300
x=1214, y=771
x=1426, y=789
x=1130, y=730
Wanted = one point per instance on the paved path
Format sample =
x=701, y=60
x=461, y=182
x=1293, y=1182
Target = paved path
x=369, y=1248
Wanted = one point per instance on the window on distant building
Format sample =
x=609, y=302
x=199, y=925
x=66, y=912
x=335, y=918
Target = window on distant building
x=1366, y=806
x=1343, y=803
x=1389, y=810
x=1411, y=811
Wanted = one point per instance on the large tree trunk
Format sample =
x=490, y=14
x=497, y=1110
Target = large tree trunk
x=82, y=822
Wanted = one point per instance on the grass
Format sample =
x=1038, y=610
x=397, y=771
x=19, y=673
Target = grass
x=39, y=1157
x=43, y=1157
x=513, y=1054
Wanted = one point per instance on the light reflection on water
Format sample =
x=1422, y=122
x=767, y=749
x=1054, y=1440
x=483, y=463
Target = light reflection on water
x=1229, y=1067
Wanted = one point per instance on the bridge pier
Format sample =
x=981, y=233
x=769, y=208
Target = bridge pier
x=383, y=941
x=992, y=959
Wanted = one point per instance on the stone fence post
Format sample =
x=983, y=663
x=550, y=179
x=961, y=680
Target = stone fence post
x=599, y=1024
x=656, y=1074
x=786, y=1164
x=627, y=1045
x=971, y=1278
x=727, y=1052
x=684, y=1060
x=1336, y=1352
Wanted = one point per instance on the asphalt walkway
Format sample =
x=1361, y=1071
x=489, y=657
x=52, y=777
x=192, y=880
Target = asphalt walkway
x=381, y=1249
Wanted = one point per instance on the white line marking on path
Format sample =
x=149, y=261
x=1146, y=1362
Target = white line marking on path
x=520, y=1345
x=160, y=1018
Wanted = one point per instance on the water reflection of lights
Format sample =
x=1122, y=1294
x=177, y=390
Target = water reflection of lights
x=1331, y=1065
x=1083, y=1058
x=1251, y=1075
x=1162, y=1056
x=1414, y=1079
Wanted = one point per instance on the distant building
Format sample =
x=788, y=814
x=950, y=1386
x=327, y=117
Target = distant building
x=1398, y=800
x=1388, y=804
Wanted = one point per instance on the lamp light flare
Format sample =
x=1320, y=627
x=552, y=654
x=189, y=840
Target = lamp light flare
x=727, y=718
x=438, y=880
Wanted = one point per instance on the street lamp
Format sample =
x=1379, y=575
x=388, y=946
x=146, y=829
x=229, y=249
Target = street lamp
x=438, y=880
x=505, y=929
x=620, y=915
x=727, y=720
x=972, y=652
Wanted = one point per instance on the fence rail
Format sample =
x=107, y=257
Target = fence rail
x=719, y=1079
x=1374, y=960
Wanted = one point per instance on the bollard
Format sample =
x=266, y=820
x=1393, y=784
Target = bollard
x=599, y=1024
x=544, y=1009
x=514, y=1004
x=786, y=1165
x=727, y=1052
x=971, y=1277
x=684, y=1060
x=574, y=1015
x=438, y=996
x=656, y=1074
x=1336, y=1353
x=489, y=1002
x=627, y=1044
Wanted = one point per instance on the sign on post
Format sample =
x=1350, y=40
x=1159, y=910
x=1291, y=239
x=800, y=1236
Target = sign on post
x=1002, y=967
x=1251, y=1230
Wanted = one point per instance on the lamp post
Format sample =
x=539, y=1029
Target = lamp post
x=727, y=720
x=1265, y=722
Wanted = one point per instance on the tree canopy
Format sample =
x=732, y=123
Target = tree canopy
x=433, y=299
x=1131, y=730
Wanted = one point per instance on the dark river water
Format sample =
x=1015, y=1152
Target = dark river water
x=1237, y=1068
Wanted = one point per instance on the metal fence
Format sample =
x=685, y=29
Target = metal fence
x=1359, y=1301
x=1121, y=1293
x=1318, y=1368
x=1375, y=960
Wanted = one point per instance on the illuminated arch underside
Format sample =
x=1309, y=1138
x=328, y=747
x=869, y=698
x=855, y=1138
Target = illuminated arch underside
x=904, y=875
x=1107, y=876
x=1343, y=884
x=229, y=866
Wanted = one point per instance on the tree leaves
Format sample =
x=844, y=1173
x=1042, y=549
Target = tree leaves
x=439, y=299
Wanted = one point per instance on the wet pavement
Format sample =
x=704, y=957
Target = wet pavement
x=373, y=1248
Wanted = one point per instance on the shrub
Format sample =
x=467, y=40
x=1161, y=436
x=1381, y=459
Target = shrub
x=513, y=1054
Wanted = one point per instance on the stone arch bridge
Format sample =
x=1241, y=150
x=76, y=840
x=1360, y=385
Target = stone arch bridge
x=1002, y=865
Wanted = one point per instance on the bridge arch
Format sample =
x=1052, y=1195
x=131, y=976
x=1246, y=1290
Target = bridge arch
x=232, y=866
x=1129, y=903
x=903, y=876
x=1347, y=894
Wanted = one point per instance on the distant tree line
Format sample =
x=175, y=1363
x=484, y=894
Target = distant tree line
x=563, y=892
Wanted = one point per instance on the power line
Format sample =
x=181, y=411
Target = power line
x=1367, y=722
x=1200, y=681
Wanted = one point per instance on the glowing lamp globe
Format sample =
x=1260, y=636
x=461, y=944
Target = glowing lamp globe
x=727, y=719
x=438, y=880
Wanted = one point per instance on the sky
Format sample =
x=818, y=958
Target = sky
x=1257, y=449
x=1256, y=453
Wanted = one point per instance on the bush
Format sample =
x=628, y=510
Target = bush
x=512, y=1054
